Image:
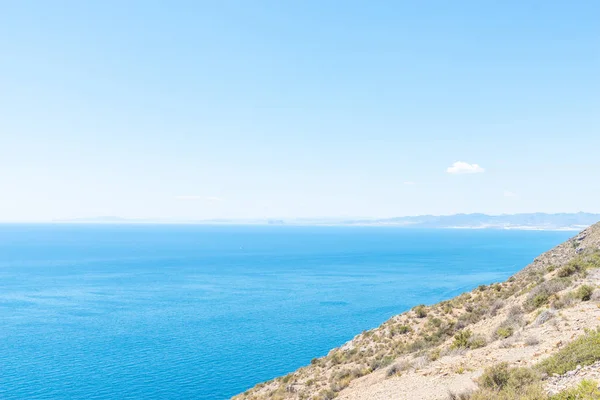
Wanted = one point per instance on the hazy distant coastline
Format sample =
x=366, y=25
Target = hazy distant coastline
x=529, y=221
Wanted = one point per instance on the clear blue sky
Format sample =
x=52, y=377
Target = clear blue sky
x=203, y=109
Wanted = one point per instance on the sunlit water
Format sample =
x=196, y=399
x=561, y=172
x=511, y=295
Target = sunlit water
x=179, y=312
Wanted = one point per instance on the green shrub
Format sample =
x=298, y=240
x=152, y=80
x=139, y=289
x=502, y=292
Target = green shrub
x=538, y=300
x=531, y=392
x=563, y=301
x=522, y=377
x=434, y=354
x=326, y=394
x=416, y=346
x=500, y=382
x=461, y=339
x=583, y=351
x=586, y=390
x=567, y=270
x=381, y=362
x=515, y=312
x=584, y=293
x=495, y=377
x=400, y=330
x=540, y=295
x=447, y=308
x=420, y=311
x=495, y=306
x=477, y=342
x=504, y=332
x=336, y=357
x=465, y=340
x=397, y=369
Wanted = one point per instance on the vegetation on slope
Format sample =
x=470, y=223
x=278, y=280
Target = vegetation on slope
x=501, y=382
x=426, y=333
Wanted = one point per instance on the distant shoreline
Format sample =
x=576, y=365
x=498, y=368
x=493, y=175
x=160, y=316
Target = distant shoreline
x=526, y=221
x=331, y=225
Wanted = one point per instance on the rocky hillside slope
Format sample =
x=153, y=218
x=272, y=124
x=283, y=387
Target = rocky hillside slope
x=531, y=337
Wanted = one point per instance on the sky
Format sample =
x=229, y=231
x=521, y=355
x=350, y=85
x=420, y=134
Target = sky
x=193, y=110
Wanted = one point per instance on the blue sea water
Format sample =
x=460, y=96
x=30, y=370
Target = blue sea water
x=205, y=312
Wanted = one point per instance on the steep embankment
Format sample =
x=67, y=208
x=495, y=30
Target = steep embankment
x=431, y=352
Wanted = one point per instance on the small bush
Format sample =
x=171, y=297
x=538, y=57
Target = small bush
x=510, y=324
x=583, y=351
x=515, y=311
x=477, y=342
x=461, y=339
x=500, y=382
x=397, y=369
x=465, y=340
x=532, y=341
x=420, y=311
x=381, y=362
x=522, y=377
x=434, y=354
x=402, y=329
x=586, y=390
x=563, y=302
x=495, y=377
x=567, y=270
x=326, y=394
x=504, y=332
x=495, y=306
x=447, y=308
x=540, y=295
x=539, y=300
x=584, y=293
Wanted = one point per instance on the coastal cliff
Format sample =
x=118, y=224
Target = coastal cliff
x=534, y=336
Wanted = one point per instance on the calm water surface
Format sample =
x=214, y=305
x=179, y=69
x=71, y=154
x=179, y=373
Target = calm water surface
x=179, y=312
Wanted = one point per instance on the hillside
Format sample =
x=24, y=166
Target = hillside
x=531, y=337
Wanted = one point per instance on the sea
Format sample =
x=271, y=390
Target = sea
x=206, y=312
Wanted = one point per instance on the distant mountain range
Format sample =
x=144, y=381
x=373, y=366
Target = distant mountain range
x=572, y=221
x=532, y=221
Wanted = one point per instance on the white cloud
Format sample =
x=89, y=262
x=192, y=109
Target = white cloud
x=211, y=199
x=409, y=183
x=461, y=167
x=508, y=193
